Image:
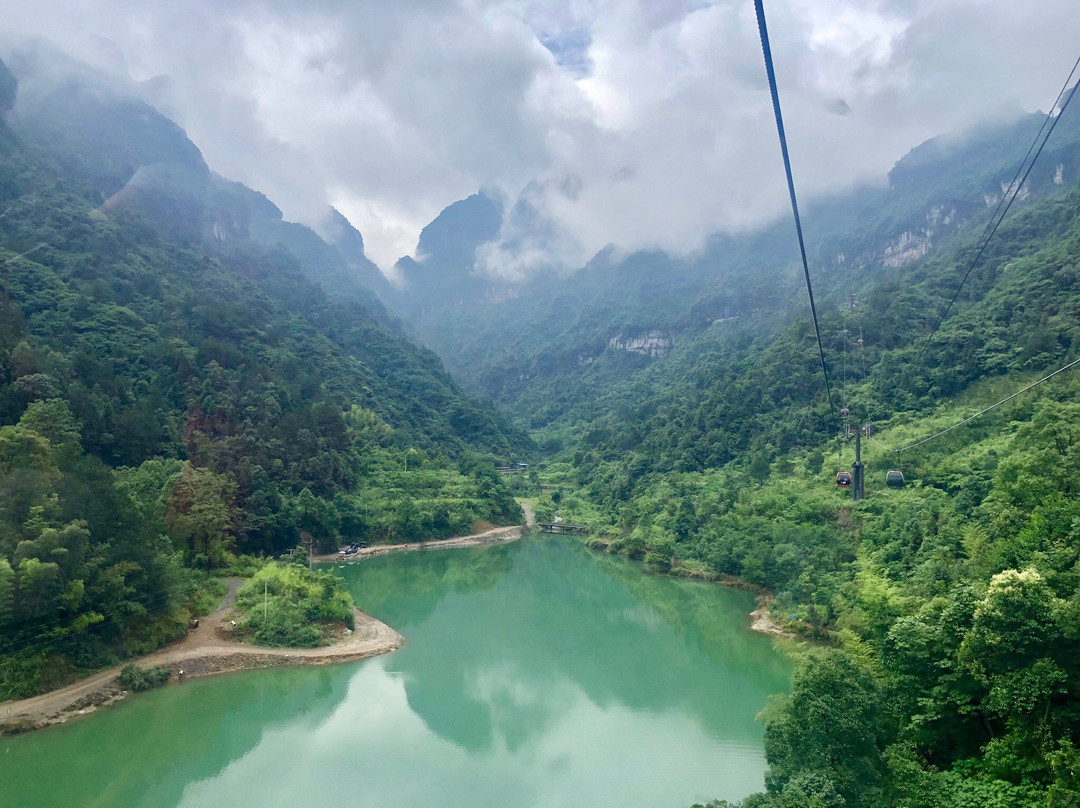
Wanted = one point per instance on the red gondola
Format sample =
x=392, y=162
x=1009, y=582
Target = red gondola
x=843, y=479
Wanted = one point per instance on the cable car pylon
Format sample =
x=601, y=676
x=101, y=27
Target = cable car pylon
x=855, y=479
x=857, y=468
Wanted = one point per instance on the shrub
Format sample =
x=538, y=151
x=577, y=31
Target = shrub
x=137, y=679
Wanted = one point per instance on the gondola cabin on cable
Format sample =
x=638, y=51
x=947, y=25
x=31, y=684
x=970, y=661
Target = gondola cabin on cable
x=844, y=412
x=843, y=479
x=894, y=478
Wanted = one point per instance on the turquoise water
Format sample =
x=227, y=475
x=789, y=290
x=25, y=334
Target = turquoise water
x=533, y=674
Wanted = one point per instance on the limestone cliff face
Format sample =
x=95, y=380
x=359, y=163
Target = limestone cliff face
x=650, y=343
x=9, y=86
x=910, y=246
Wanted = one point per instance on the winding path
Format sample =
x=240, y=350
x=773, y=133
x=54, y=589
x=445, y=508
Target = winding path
x=209, y=648
x=498, y=535
x=205, y=651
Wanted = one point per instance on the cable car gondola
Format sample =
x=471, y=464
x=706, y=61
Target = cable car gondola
x=894, y=478
x=843, y=479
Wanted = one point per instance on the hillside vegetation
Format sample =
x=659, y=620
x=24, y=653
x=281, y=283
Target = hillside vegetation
x=184, y=376
x=951, y=607
x=174, y=392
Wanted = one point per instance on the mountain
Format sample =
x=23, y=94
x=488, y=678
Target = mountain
x=184, y=378
x=542, y=349
x=683, y=412
x=8, y=91
x=235, y=211
x=719, y=463
x=337, y=231
x=442, y=277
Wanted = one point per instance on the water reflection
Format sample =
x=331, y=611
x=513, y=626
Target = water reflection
x=491, y=664
x=147, y=752
x=534, y=674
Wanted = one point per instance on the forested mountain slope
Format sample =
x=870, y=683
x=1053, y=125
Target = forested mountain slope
x=174, y=390
x=546, y=350
x=952, y=604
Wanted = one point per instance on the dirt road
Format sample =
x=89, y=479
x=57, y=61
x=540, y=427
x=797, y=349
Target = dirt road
x=205, y=651
x=209, y=648
x=495, y=536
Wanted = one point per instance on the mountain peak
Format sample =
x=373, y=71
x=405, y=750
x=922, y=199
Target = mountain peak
x=453, y=236
x=339, y=231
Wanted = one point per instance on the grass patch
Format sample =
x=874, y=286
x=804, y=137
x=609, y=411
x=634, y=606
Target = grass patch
x=286, y=605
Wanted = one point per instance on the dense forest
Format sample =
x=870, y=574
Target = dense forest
x=186, y=378
x=943, y=617
x=950, y=608
x=174, y=392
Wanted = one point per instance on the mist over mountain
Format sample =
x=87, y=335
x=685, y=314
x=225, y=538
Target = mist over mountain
x=646, y=125
x=443, y=273
x=132, y=165
x=338, y=231
x=620, y=313
x=187, y=377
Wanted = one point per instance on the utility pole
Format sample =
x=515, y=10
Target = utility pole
x=857, y=490
x=265, y=597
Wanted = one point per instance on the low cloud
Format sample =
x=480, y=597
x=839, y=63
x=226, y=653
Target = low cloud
x=644, y=123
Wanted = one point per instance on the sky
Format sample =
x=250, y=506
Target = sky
x=643, y=123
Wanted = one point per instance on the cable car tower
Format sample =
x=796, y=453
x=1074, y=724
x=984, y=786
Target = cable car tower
x=856, y=480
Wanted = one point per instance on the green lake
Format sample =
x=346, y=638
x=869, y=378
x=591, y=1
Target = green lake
x=533, y=674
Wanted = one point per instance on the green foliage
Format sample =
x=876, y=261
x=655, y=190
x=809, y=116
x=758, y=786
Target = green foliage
x=288, y=605
x=200, y=516
x=168, y=401
x=285, y=625
x=824, y=740
x=137, y=679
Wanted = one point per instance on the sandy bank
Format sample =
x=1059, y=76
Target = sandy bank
x=209, y=650
x=761, y=620
x=497, y=535
x=206, y=651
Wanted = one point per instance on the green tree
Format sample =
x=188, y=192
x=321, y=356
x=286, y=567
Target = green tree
x=832, y=727
x=200, y=515
x=7, y=591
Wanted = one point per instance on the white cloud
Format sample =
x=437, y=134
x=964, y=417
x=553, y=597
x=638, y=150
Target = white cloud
x=657, y=109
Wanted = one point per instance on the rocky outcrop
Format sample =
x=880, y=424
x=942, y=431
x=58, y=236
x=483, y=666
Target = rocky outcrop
x=650, y=343
x=910, y=246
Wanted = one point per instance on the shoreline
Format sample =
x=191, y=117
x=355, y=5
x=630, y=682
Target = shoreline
x=761, y=619
x=498, y=535
x=203, y=653
x=209, y=651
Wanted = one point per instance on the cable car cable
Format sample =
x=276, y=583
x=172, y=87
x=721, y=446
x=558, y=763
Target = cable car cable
x=767, y=53
x=23, y=255
x=1012, y=193
x=987, y=409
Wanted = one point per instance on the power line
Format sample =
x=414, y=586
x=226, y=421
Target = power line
x=767, y=53
x=987, y=409
x=1011, y=194
x=23, y=255
x=110, y=615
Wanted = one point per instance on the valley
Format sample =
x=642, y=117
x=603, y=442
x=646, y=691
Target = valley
x=194, y=388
